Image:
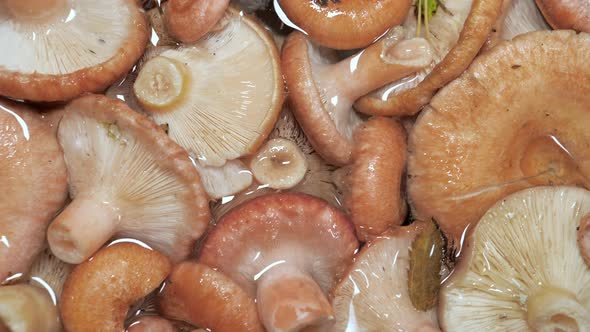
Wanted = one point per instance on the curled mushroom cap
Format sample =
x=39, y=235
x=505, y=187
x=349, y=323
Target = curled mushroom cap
x=34, y=185
x=189, y=20
x=521, y=269
x=127, y=179
x=151, y=323
x=322, y=92
x=457, y=32
x=202, y=296
x=344, y=25
x=286, y=250
x=584, y=239
x=522, y=116
x=59, y=49
x=374, y=199
x=99, y=291
x=219, y=97
x=280, y=164
x=566, y=14
x=26, y=308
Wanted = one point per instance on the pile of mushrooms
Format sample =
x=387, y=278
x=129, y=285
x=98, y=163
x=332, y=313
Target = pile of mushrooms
x=294, y=165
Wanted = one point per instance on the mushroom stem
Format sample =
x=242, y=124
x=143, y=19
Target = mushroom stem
x=160, y=84
x=554, y=309
x=290, y=300
x=81, y=229
x=27, y=308
x=35, y=9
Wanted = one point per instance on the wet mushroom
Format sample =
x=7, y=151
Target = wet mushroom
x=566, y=14
x=322, y=92
x=202, y=296
x=515, y=119
x=584, y=239
x=280, y=164
x=220, y=97
x=99, y=291
x=374, y=295
x=189, y=20
x=456, y=32
x=226, y=180
x=34, y=185
x=26, y=308
x=151, y=323
x=57, y=49
x=49, y=272
x=286, y=250
x=520, y=269
x=344, y=25
x=127, y=179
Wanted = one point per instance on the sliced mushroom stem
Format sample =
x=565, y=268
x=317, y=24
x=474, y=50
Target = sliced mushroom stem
x=555, y=309
x=27, y=308
x=160, y=84
x=35, y=9
x=72, y=239
x=290, y=300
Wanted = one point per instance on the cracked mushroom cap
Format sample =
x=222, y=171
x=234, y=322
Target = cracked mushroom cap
x=33, y=181
x=287, y=251
x=58, y=49
x=127, y=179
x=344, y=25
x=517, y=118
x=189, y=20
x=521, y=269
x=566, y=14
x=220, y=97
x=458, y=30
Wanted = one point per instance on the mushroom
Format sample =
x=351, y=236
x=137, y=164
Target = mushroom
x=189, y=20
x=521, y=109
x=204, y=297
x=280, y=164
x=343, y=25
x=34, y=185
x=226, y=180
x=374, y=197
x=456, y=32
x=566, y=14
x=50, y=273
x=520, y=269
x=127, y=179
x=220, y=97
x=286, y=250
x=99, y=291
x=58, y=49
x=26, y=308
x=584, y=239
x=374, y=295
x=151, y=323
x=322, y=92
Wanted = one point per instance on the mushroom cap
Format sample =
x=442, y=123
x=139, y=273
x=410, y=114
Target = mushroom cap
x=226, y=180
x=345, y=25
x=524, y=247
x=584, y=239
x=84, y=47
x=474, y=19
x=33, y=181
x=204, y=297
x=297, y=229
x=49, y=272
x=566, y=14
x=189, y=20
x=232, y=92
x=374, y=295
x=99, y=291
x=151, y=323
x=25, y=308
x=522, y=113
x=137, y=182
x=374, y=200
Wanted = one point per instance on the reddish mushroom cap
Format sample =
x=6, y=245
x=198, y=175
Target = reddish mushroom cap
x=189, y=20
x=566, y=14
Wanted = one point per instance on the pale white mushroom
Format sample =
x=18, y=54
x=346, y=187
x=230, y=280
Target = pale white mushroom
x=226, y=180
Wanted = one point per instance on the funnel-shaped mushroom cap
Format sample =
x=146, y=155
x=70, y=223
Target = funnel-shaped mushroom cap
x=219, y=97
x=374, y=295
x=202, y=296
x=57, y=50
x=566, y=14
x=517, y=118
x=127, y=179
x=287, y=250
x=345, y=25
x=457, y=31
x=33, y=184
x=521, y=269
x=25, y=308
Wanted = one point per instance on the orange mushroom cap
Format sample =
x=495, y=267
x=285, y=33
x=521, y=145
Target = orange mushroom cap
x=189, y=20
x=566, y=14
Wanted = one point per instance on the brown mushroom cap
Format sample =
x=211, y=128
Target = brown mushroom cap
x=99, y=291
x=322, y=92
x=189, y=20
x=476, y=28
x=566, y=14
x=516, y=118
x=127, y=179
x=374, y=199
x=57, y=50
x=287, y=250
x=347, y=24
x=202, y=296
x=33, y=181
